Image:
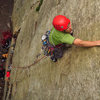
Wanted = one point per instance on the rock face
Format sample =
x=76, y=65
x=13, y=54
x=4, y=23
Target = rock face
x=76, y=76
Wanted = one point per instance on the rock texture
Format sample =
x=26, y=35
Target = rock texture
x=74, y=77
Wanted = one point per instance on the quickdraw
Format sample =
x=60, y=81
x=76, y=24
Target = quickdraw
x=47, y=47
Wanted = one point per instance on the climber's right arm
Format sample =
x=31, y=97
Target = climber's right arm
x=81, y=43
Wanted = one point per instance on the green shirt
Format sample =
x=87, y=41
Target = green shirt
x=57, y=37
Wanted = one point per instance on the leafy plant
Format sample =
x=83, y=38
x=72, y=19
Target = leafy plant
x=38, y=8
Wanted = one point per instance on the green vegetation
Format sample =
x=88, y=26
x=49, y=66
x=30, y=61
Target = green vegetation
x=38, y=8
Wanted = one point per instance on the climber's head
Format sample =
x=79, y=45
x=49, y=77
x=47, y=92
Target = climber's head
x=61, y=23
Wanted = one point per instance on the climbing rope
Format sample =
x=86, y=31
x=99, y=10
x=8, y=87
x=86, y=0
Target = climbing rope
x=35, y=62
x=6, y=95
x=11, y=84
x=27, y=67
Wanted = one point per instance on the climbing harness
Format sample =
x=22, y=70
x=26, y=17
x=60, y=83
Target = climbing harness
x=54, y=51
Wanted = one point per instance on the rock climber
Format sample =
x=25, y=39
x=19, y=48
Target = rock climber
x=61, y=33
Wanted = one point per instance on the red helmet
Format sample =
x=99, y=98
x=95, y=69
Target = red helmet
x=60, y=22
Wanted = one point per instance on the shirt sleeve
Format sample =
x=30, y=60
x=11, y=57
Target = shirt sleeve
x=67, y=38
